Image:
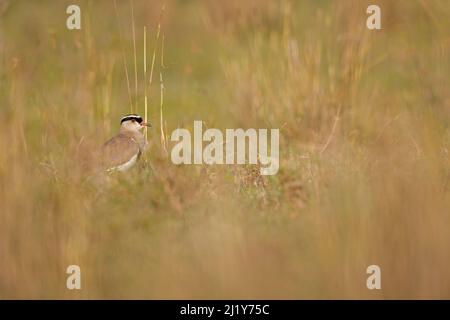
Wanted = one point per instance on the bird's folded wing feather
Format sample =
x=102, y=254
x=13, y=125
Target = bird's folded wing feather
x=119, y=150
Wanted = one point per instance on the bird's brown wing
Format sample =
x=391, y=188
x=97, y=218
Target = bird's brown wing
x=119, y=150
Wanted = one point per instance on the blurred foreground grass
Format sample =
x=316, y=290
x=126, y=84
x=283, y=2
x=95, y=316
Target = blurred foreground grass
x=377, y=193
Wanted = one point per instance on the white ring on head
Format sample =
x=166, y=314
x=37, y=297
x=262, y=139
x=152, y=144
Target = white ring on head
x=131, y=117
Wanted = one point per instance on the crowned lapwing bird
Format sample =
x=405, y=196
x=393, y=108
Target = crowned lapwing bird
x=122, y=151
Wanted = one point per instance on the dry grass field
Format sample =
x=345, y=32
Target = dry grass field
x=364, y=178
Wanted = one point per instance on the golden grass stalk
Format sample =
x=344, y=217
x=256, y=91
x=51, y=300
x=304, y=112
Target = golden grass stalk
x=134, y=54
x=145, y=77
x=154, y=55
x=119, y=26
x=158, y=32
x=161, y=83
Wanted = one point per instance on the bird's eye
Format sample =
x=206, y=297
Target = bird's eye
x=132, y=120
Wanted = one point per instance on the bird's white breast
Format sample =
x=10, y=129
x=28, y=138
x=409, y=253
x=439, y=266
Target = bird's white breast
x=127, y=165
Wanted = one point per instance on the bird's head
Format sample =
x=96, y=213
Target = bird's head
x=133, y=122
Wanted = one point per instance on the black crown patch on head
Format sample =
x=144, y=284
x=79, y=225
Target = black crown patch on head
x=132, y=117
